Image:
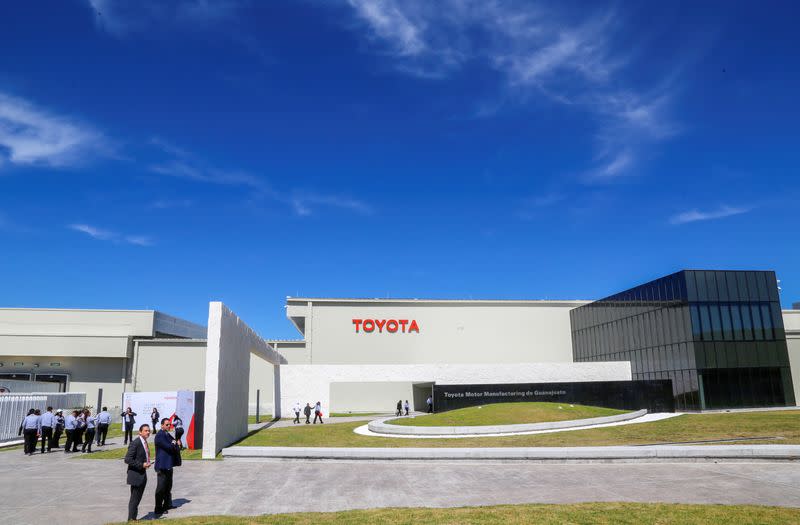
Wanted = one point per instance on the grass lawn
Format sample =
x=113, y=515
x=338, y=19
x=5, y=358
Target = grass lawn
x=583, y=513
x=507, y=414
x=689, y=427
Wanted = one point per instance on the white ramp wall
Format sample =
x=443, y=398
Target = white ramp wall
x=230, y=343
x=311, y=383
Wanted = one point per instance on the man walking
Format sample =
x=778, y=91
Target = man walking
x=167, y=457
x=138, y=460
x=307, y=413
x=103, y=421
x=46, y=424
x=430, y=405
x=318, y=413
x=29, y=429
x=58, y=419
x=406, y=406
x=296, y=413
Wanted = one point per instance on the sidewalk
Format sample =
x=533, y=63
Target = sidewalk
x=672, y=453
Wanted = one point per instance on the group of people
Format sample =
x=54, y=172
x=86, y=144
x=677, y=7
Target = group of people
x=129, y=420
x=80, y=426
x=168, y=456
x=401, y=406
x=307, y=412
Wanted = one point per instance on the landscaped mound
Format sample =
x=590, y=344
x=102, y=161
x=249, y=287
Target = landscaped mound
x=507, y=414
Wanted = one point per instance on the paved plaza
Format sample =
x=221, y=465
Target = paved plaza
x=44, y=489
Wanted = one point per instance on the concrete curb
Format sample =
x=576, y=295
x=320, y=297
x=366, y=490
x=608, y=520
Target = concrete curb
x=380, y=427
x=615, y=453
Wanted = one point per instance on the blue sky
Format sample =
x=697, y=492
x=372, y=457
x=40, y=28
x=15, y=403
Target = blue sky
x=162, y=155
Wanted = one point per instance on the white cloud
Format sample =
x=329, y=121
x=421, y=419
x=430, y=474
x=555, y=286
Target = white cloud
x=183, y=164
x=31, y=136
x=108, y=235
x=697, y=215
x=541, y=51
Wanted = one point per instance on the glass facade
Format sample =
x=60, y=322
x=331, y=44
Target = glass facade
x=718, y=335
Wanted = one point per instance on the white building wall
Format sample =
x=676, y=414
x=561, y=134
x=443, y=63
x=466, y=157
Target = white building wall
x=230, y=343
x=311, y=383
x=449, y=331
x=791, y=323
x=169, y=366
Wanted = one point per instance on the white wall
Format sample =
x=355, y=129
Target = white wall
x=449, y=331
x=230, y=343
x=167, y=366
x=791, y=322
x=310, y=383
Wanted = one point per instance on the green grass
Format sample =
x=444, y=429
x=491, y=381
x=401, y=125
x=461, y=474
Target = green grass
x=507, y=414
x=684, y=428
x=582, y=513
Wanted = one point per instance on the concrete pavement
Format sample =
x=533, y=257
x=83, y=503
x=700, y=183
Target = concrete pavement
x=646, y=453
x=45, y=489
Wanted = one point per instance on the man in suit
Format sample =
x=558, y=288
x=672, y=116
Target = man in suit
x=167, y=456
x=138, y=460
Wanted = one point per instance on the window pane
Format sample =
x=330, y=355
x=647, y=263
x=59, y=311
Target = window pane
x=757, y=325
x=725, y=313
x=697, y=328
x=705, y=319
x=716, y=324
x=736, y=320
x=722, y=286
x=733, y=293
x=711, y=286
x=741, y=282
x=766, y=320
x=747, y=324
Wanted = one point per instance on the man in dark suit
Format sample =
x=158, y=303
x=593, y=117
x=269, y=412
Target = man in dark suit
x=128, y=420
x=138, y=461
x=167, y=456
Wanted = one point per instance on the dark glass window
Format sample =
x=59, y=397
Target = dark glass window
x=697, y=328
x=727, y=329
x=747, y=324
x=736, y=320
x=705, y=319
x=766, y=321
x=730, y=279
x=757, y=325
x=741, y=283
x=711, y=286
x=716, y=324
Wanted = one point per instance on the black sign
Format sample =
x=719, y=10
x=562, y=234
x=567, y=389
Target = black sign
x=654, y=395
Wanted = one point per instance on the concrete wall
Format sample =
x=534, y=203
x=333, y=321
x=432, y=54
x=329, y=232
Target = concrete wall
x=361, y=397
x=230, y=343
x=261, y=378
x=449, y=331
x=791, y=322
x=161, y=366
x=308, y=383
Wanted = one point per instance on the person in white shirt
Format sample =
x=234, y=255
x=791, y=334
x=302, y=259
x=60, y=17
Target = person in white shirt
x=46, y=424
x=30, y=430
x=296, y=413
x=406, y=406
x=103, y=422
